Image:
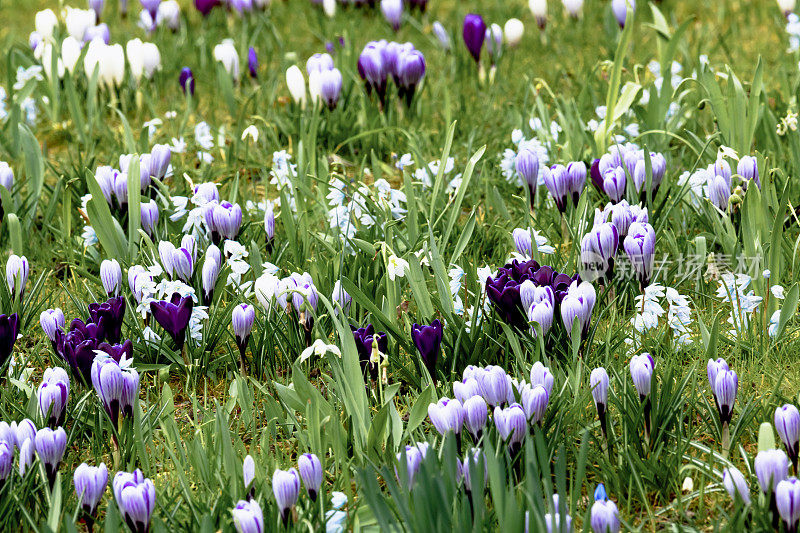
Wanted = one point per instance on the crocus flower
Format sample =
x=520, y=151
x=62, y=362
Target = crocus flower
x=557, y=182
x=620, y=9
x=787, y=500
x=512, y=31
x=494, y=385
x=541, y=375
x=474, y=461
x=340, y=298
x=447, y=415
x=136, y=499
x=242, y=319
x=614, y=181
x=598, y=380
x=52, y=396
x=534, y=399
x=598, y=248
x=641, y=367
x=604, y=515
x=787, y=423
x=539, y=10
x=51, y=321
x=173, y=316
x=248, y=475
x=541, y=313
x=772, y=467
x=640, y=246
x=558, y=520
x=224, y=220
x=475, y=414
x=573, y=7
x=474, y=32
x=393, y=12
x=577, y=305
x=748, y=170
x=90, y=485
x=286, y=488
x=725, y=386
x=77, y=346
x=494, y=42
x=252, y=62
x=111, y=313
x=23, y=431
x=366, y=342
x=296, y=84
x=6, y=461
x=50, y=447
x=428, y=340
x=205, y=6
x=310, y=468
x=736, y=484
x=26, y=455
x=149, y=216
x=248, y=517
x=527, y=166
x=211, y=268
x=186, y=78
x=714, y=367
x=372, y=70
x=328, y=85
x=512, y=425
x=410, y=71
x=116, y=384
x=442, y=36
x=9, y=329
x=111, y=276
x=576, y=180
x=17, y=274
x=414, y=457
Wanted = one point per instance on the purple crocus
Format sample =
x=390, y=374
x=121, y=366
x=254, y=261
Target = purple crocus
x=248, y=517
x=224, y=219
x=52, y=396
x=90, y=485
x=527, y=166
x=787, y=501
x=557, y=182
x=475, y=414
x=366, y=340
x=726, y=384
x=151, y=6
x=252, y=63
x=9, y=329
x=748, y=170
x=447, y=415
x=428, y=340
x=410, y=71
x=598, y=380
x=577, y=305
x=111, y=313
x=330, y=86
x=186, y=78
x=474, y=33
x=173, y=316
x=787, y=424
x=772, y=467
x=598, y=248
x=149, y=218
x=242, y=319
x=136, y=499
x=286, y=489
x=205, y=6
x=51, y=321
x=78, y=345
x=310, y=468
x=512, y=425
x=640, y=245
x=50, y=447
x=6, y=461
x=372, y=70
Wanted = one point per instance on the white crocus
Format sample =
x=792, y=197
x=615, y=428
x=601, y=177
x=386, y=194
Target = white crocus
x=297, y=84
x=319, y=348
x=329, y=7
x=45, y=52
x=109, y=61
x=45, y=23
x=225, y=53
x=513, y=31
x=70, y=52
x=78, y=21
x=143, y=58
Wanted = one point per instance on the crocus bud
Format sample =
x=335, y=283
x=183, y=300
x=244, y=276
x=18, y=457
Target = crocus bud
x=45, y=23
x=539, y=10
x=150, y=215
x=620, y=9
x=136, y=499
x=541, y=375
x=329, y=85
x=329, y=8
x=474, y=460
x=6, y=176
x=640, y=246
x=527, y=166
x=50, y=447
x=169, y=14
x=393, y=12
x=26, y=455
x=713, y=367
x=108, y=60
x=604, y=515
x=248, y=475
x=410, y=71
x=248, y=517
x=578, y=304
x=23, y=431
x=748, y=170
x=598, y=248
x=494, y=42
x=447, y=415
x=17, y=274
x=286, y=488
x=512, y=425
x=786, y=6
x=90, y=485
x=541, y=313
x=523, y=243
x=474, y=32
x=772, y=467
x=465, y=389
x=513, y=31
x=186, y=80
x=787, y=424
x=225, y=53
x=428, y=340
x=719, y=191
x=70, y=53
x=556, y=179
x=111, y=276
x=725, y=386
x=598, y=380
x=641, y=367
x=99, y=31
x=296, y=84
x=51, y=321
x=736, y=484
x=614, y=183
x=6, y=461
x=174, y=315
x=442, y=36
x=319, y=62
x=787, y=500
x=573, y=7
x=243, y=317
x=52, y=396
x=78, y=21
x=475, y=414
x=534, y=399
x=414, y=456
x=340, y=298
x=311, y=473
x=252, y=62
x=493, y=385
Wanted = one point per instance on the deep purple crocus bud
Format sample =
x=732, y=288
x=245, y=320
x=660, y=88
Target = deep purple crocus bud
x=174, y=316
x=748, y=170
x=311, y=473
x=50, y=447
x=772, y=467
x=53, y=395
x=534, y=401
x=614, y=181
x=205, y=6
x=111, y=276
x=410, y=71
x=393, y=12
x=447, y=415
x=286, y=489
x=90, y=485
x=136, y=499
x=726, y=385
x=149, y=216
x=428, y=340
x=252, y=63
x=51, y=321
x=640, y=245
x=9, y=329
x=474, y=33
x=787, y=424
x=512, y=425
x=787, y=500
x=248, y=517
x=475, y=414
x=557, y=182
x=6, y=461
x=527, y=166
x=186, y=78
x=736, y=484
x=641, y=367
x=17, y=274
